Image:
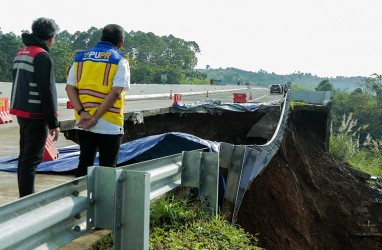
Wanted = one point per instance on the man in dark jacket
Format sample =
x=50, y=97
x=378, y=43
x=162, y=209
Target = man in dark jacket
x=34, y=99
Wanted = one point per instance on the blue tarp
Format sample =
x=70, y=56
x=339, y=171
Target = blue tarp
x=147, y=148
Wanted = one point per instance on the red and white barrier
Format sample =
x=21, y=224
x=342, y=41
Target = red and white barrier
x=5, y=117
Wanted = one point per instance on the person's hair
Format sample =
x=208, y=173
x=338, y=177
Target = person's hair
x=44, y=28
x=113, y=33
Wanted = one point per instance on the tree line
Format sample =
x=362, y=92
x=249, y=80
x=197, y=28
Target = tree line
x=153, y=59
x=363, y=107
x=263, y=78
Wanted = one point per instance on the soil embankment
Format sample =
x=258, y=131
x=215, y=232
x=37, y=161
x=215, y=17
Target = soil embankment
x=304, y=199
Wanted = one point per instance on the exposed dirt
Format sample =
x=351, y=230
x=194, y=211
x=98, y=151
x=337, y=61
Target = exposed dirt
x=304, y=199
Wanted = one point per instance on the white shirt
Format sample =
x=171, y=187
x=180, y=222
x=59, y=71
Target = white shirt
x=121, y=79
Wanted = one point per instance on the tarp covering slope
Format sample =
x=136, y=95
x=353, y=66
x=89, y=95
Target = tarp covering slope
x=143, y=149
x=212, y=105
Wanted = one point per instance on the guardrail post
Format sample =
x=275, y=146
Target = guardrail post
x=132, y=217
x=120, y=201
x=101, y=196
x=201, y=170
x=234, y=176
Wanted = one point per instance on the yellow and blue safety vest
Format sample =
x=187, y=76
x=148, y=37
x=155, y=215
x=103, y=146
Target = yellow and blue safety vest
x=95, y=69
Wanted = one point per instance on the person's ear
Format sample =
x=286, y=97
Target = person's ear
x=120, y=44
x=50, y=41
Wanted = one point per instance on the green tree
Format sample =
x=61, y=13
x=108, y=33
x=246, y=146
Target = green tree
x=62, y=58
x=357, y=91
x=324, y=85
x=150, y=56
x=9, y=45
x=84, y=40
x=373, y=85
x=365, y=109
x=153, y=56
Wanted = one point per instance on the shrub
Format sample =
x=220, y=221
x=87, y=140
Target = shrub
x=342, y=146
x=346, y=146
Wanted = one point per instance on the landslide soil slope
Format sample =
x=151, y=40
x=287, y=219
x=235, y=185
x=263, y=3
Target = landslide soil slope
x=304, y=199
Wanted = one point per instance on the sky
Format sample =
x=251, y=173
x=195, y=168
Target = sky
x=327, y=38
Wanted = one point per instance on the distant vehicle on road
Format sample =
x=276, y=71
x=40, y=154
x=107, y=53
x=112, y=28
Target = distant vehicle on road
x=276, y=88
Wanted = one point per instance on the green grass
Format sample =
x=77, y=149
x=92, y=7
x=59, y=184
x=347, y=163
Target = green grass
x=105, y=243
x=368, y=162
x=298, y=103
x=179, y=224
x=171, y=213
x=214, y=233
x=343, y=147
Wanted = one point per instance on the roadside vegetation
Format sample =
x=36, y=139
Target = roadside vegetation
x=346, y=146
x=179, y=224
x=356, y=136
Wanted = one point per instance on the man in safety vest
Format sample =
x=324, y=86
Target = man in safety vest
x=95, y=86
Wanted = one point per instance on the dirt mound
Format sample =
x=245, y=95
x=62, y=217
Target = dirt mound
x=306, y=200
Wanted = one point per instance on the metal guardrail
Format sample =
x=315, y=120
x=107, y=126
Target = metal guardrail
x=47, y=220
x=109, y=198
x=246, y=163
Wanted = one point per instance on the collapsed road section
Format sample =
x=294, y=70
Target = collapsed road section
x=210, y=120
x=280, y=183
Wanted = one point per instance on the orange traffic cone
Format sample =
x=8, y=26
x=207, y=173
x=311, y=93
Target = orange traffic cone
x=177, y=99
x=5, y=117
x=51, y=152
x=250, y=96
